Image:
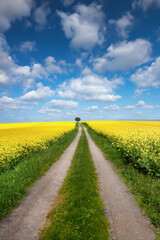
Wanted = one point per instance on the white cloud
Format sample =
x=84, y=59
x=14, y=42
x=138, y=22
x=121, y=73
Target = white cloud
x=90, y=87
x=84, y=27
x=48, y=111
x=124, y=55
x=51, y=67
x=40, y=16
x=114, y=107
x=32, y=97
x=67, y=2
x=73, y=113
x=11, y=10
x=38, y=71
x=91, y=108
x=7, y=103
x=130, y=107
x=27, y=46
x=86, y=71
x=141, y=104
x=79, y=62
x=4, y=79
x=11, y=73
x=62, y=104
x=23, y=70
x=124, y=24
x=40, y=94
x=145, y=4
x=138, y=92
x=148, y=76
x=6, y=61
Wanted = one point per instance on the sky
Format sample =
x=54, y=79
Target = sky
x=97, y=60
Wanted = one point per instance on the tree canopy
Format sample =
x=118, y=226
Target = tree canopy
x=77, y=119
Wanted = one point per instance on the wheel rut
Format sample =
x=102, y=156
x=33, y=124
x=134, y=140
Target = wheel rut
x=124, y=216
x=26, y=220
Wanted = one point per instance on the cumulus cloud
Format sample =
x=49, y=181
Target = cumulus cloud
x=145, y=4
x=90, y=87
x=67, y=2
x=7, y=103
x=130, y=107
x=124, y=55
x=4, y=79
x=10, y=72
x=6, y=61
x=23, y=70
x=13, y=74
x=114, y=107
x=34, y=96
x=48, y=111
x=138, y=92
x=12, y=10
x=124, y=24
x=40, y=16
x=148, y=76
x=27, y=46
x=84, y=27
x=91, y=108
x=26, y=101
x=38, y=71
x=72, y=113
x=51, y=66
x=62, y=104
x=86, y=71
x=79, y=62
x=141, y=104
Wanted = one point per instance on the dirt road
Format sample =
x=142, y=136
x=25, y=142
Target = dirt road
x=125, y=218
x=24, y=222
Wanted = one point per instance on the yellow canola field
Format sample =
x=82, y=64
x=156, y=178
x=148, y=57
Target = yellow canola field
x=138, y=141
x=19, y=139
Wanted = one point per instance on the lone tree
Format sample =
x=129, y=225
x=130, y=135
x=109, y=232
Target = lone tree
x=77, y=119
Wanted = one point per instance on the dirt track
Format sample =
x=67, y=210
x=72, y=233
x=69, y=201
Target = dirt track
x=24, y=222
x=125, y=218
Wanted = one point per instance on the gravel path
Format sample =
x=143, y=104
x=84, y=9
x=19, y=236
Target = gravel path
x=25, y=221
x=125, y=218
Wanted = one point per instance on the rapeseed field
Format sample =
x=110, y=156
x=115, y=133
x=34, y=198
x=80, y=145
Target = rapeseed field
x=17, y=140
x=137, y=141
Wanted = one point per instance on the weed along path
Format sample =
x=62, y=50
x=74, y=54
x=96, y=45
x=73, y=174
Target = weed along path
x=25, y=221
x=125, y=218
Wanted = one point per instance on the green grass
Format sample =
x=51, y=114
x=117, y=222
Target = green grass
x=15, y=182
x=78, y=212
x=145, y=188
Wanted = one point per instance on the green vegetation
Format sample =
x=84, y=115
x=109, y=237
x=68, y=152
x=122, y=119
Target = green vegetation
x=15, y=182
x=78, y=212
x=77, y=119
x=145, y=188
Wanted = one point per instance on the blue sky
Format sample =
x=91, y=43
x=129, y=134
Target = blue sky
x=99, y=60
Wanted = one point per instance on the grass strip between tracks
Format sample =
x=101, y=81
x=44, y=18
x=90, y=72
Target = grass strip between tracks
x=78, y=211
x=15, y=182
x=145, y=188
